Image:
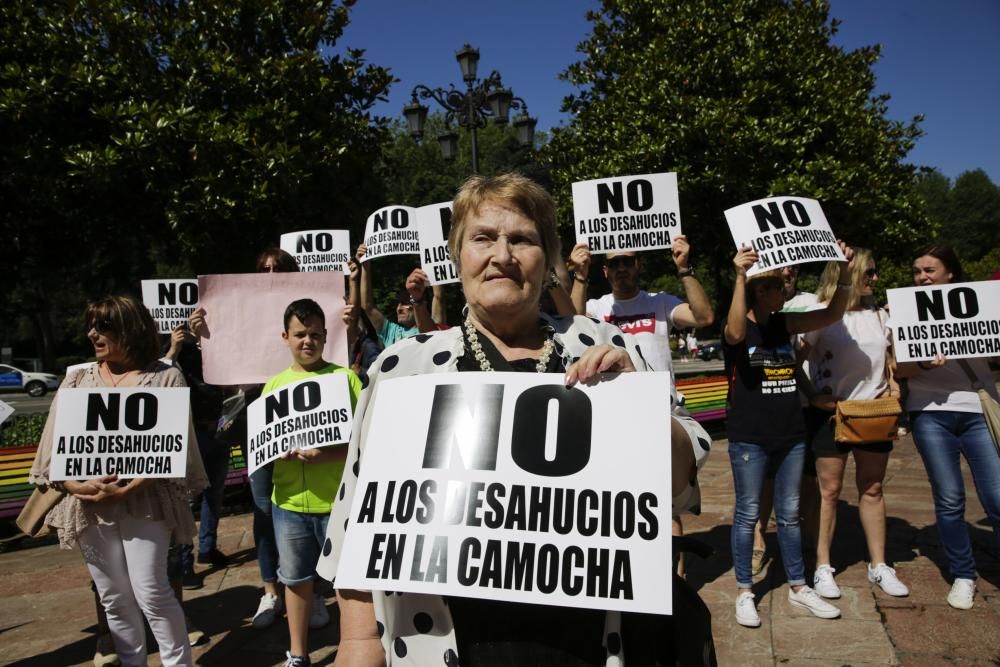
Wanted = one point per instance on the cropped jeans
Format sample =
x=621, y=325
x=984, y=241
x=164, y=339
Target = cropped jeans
x=941, y=437
x=751, y=463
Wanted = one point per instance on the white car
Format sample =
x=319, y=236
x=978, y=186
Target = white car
x=36, y=384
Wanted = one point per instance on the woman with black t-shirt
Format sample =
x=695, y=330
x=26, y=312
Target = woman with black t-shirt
x=765, y=426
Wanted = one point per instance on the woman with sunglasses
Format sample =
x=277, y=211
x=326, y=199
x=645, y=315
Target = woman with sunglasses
x=847, y=361
x=271, y=605
x=124, y=527
x=765, y=426
x=946, y=419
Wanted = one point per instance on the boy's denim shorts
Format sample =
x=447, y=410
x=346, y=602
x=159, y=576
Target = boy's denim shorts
x=300, y=538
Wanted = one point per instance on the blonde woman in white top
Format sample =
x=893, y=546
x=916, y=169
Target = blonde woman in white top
x=847, y=361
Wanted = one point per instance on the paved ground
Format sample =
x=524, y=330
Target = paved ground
x=47, y=617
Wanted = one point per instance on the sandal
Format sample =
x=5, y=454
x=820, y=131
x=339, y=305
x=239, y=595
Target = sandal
x=757, y=561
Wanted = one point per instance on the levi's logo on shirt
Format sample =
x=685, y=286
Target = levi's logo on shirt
x=634, y=324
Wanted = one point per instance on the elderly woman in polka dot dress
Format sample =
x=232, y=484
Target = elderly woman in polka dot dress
x=504, y=240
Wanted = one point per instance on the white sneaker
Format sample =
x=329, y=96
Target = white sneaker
x=886, y=578
x=824, y=584
x=806, y=598
x=319, y=616
x=962, y=592
x=746, y=612
x=268, y=610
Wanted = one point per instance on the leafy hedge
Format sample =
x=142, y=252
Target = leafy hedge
x=22, y=430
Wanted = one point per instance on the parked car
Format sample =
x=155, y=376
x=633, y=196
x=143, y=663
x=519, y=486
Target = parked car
x=709, y=351
x=36, y=384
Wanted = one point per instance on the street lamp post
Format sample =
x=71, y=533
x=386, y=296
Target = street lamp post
x=483, y=99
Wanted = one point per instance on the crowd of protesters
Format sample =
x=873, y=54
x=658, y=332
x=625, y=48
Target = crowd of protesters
x=790, y=358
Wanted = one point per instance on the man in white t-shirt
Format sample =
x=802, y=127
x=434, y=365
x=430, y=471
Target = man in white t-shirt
x=650, y=317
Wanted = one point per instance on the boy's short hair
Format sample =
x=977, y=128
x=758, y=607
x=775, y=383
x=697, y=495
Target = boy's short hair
x=304, y=309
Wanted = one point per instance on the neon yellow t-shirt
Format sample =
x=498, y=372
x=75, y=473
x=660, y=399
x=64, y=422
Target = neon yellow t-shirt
x=308, y=488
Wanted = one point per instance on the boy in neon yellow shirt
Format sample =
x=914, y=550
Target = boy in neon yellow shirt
x=305, y=483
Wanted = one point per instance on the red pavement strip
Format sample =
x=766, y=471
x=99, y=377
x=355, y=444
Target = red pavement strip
x=47, y=615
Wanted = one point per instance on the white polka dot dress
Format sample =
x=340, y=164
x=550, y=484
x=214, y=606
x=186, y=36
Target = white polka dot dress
x=416, y=629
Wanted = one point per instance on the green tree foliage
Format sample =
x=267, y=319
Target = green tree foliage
x=416, y=174
x=743, y=99
x=148, y=139
x=967, y=213
x=973, y=222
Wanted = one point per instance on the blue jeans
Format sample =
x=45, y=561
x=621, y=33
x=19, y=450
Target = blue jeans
x=215, y=458
x=941, y=436
x=261, y=487
x=750, y=465
x=300, y=538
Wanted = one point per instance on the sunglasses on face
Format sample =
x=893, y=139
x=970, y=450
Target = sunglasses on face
x=626, y=262
x=101, y=326
x=870, y=273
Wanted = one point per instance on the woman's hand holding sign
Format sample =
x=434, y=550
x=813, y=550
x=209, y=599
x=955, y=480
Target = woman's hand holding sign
x=596, y=360
x=744, y=259
x=107, y=488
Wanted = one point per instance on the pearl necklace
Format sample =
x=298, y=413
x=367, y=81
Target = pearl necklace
x=484, y=363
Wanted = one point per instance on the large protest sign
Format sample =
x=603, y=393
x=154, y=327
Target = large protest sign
x=5, y=411
x=319, y=249
x=627, y=213
x=391, y=230
x=170, y=302
x=784, y=231
x=514, y=487
x=244, y=317
x=134, y=432
x=313, y=412
x=434, y=224
x=958, y=320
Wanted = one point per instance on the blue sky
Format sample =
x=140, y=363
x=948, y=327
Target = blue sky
x=940, y=59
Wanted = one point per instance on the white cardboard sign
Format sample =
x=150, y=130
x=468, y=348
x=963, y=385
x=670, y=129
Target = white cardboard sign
x=391, y=230
x=958, y=320
x=513, y=487
x=312, y=412
x=319, y=249
x=133, y=432
x=170, y=302
x=627, y=213
x=5, y=411
x=434, y=224
x=784, y=231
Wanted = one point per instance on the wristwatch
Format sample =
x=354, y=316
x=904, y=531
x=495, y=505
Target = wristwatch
x=684, y=273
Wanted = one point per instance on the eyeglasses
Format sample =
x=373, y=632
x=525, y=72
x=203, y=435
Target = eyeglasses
x=870, y=273
x=101, y=326
x=626, y=262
